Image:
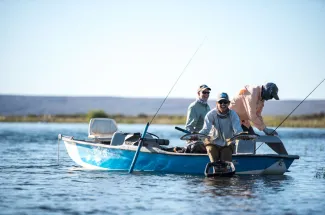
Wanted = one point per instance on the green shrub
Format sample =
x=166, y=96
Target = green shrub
x=142, y=115
x=96, y=114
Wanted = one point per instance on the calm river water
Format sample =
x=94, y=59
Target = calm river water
x=31, y=182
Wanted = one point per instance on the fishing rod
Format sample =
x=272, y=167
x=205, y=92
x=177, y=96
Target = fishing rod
x=177, y=80
x=293, y=110
x=149, y=123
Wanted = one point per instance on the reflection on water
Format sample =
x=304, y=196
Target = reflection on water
x=243, y=185
x=320, y=173
x=234, y=186
x=31, y=182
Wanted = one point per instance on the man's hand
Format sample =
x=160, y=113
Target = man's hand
x=269, y=131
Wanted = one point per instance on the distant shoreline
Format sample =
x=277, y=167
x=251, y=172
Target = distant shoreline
x=20, y=105
x=308, y=121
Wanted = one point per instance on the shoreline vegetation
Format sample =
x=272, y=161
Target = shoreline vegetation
x=311, y=120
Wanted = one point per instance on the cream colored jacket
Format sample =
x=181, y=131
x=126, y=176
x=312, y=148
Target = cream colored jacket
x=248, y=104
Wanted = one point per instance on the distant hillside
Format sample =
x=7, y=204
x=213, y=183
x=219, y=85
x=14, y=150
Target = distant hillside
x=24, y=105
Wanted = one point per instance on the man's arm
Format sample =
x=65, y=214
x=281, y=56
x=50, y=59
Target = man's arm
x=235, y=122
x=208, y=122
x=251, y=109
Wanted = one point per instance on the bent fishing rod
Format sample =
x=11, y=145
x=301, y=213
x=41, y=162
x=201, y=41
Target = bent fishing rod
x=293, y=111
x=177, y=80
x=149, y=123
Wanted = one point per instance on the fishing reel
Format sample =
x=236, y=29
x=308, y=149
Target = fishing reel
x=242, y=136
x=208, y=139
x=198, y=137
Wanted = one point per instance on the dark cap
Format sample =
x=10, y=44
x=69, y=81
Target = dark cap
x=203, y=87
x=272, y=89
x=222, y=96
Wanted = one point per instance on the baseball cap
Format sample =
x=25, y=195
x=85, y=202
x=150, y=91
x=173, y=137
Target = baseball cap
x=222, y=96
x=203, y=87
x=272, y=89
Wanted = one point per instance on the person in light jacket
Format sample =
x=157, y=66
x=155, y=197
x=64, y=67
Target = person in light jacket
x=249, y=104
x=220, y=124
x=198, y=109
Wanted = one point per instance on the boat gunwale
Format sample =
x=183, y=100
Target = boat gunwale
x=160, y=151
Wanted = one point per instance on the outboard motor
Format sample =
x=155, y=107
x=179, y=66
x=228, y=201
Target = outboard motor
x=226, y=168
x=220, y=168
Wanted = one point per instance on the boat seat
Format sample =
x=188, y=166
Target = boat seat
x=118, y=138
x=101, y=128
x=245, y=147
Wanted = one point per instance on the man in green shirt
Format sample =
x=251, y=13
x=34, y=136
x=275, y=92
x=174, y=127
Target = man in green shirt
x=195, y=120
x=198, y=109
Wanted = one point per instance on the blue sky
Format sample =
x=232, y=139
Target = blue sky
x=139, y=48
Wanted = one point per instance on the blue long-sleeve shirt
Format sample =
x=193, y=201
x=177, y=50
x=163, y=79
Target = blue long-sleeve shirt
x=224, y=127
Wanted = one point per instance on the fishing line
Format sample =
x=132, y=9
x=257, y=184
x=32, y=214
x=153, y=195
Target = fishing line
x=177, y=80
x=293, y=110
x=147, y=126
x=298, y=105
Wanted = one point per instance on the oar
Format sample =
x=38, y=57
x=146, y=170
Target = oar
x=138, y=149
x=183, y=130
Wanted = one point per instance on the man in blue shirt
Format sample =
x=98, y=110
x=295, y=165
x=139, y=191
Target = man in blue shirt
x=221, y=123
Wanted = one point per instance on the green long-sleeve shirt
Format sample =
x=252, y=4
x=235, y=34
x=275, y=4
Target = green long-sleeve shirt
x=195, y=116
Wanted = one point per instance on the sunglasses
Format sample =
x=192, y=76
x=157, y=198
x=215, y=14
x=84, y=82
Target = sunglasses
x=204, y=92
x=223, y=102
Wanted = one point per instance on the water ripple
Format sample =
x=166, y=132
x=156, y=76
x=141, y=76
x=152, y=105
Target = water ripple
x=32, y=182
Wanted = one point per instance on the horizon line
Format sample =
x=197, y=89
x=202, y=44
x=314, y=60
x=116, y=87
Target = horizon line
x=139, y=97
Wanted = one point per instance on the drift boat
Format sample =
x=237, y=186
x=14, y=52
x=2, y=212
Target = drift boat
x=109, y=149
